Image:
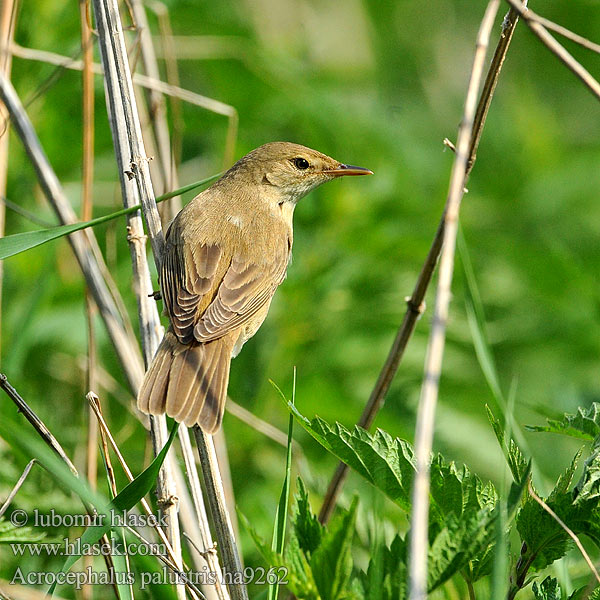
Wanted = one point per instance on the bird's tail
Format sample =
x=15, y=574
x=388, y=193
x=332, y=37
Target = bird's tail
x=188, y=382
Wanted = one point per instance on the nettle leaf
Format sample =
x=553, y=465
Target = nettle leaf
x=331, y=562
x=584, y=424
x=307, y=528
x=595, y=595
x=457, y=543
x=545, y=540
x=547, y=590
x=588, y=486
x=456, y=490
x=388, y=463
x=564, y=481
x=387, y=574
x=463, y=507
x=583, y=593
x=514, y=457
x=300, y=578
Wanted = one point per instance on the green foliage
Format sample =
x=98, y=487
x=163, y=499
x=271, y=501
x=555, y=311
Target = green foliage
x=385, y=462
x=547, y=590
x=282, y=507
x=584, y=424
x=11, y=533
x=307, y=528
x=514, y=457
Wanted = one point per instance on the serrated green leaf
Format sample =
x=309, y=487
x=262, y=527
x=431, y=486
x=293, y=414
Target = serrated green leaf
x=300, y=577
x=457, y=543
x=385, y=462
x=386, y=576
x=545, y=540
x=307, y=528
x=588, y=486
x=456, y=490
x=331, y=562
x=564, y=481
x=514, y=457
x=547, y=590
x=584, y=424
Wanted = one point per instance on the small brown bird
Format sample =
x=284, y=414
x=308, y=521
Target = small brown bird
x=226, y=253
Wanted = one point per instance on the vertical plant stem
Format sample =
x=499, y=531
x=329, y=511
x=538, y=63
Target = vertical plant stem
x=209, y=553
x=168, y=48
x=157, y=107
x=86, y=215
x=8, y=10
x=218, y=508
x=435, y=351
x=136, y=184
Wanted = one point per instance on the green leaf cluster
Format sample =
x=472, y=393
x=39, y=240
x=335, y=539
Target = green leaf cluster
x=467, y=521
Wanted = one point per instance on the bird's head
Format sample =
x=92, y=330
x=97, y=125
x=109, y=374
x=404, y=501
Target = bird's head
x=287, y=171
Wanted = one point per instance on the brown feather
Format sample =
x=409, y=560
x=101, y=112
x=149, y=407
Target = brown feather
x=188, y=382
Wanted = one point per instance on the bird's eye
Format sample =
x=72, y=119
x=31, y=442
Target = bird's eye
x=300, y=163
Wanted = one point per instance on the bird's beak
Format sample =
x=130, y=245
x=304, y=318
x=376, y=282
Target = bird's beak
x=342, y=169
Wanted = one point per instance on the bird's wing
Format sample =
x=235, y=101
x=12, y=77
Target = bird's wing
x=246, y=288
x=206, y=298
x=188, y=281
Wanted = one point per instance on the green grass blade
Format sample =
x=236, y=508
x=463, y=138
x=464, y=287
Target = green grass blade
x=476, y=319
x=20, y=242
x=126, y=499
x=282, y=508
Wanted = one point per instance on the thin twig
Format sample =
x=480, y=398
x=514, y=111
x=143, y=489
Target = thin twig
x=17, y=486
x=93, y=401
x=54, y=445
x=569, y=531
x=142, y=80
x=168, y=51
x=218, y=509
x=86, y=215
x=264, y=427
x=489, y=86
x=183, y=578
x=94, y=407
x=574, y=37
x=435, y=351
x=557, y=48
x=415, y=303
x=36, y=422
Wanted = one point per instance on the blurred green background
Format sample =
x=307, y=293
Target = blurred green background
x=374, y=83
